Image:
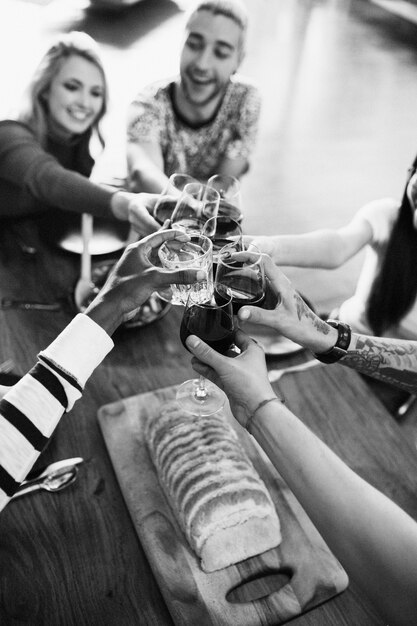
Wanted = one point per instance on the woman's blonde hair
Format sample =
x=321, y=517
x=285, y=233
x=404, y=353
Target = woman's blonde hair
x=34, y=111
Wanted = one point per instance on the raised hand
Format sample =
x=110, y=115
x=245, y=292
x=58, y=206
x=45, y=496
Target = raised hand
x=135, y=277
x=264, y=243
x=243, y=378
x=137, y=208
x=291, y=316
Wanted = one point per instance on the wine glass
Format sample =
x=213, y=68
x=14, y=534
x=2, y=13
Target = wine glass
x=211, y=319
x=194, y=254
x=196, y=205
x=223, y=231
x=228, y=188
x=244, y=274
x=168, y=199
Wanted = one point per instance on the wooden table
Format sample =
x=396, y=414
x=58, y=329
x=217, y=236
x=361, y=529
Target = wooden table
x=74, y=557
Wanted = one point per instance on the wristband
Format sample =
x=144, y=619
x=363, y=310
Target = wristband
x=339, y=350
x=260, y=405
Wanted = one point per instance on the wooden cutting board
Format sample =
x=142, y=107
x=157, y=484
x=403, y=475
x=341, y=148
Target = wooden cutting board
x=268, y=589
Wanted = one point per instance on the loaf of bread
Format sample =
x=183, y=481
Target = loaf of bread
x=222, y=506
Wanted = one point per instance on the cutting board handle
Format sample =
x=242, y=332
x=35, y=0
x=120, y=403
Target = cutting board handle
x=281, y=600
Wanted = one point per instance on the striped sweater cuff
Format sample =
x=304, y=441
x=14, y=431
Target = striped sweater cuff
x=77, y=351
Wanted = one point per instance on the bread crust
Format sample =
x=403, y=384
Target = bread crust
x=221, y=503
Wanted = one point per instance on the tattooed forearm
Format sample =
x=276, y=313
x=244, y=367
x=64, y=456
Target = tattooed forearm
x=393, y=361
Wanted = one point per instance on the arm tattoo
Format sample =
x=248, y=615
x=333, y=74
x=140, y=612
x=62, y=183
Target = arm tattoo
x=304, y=311
x=393, y=361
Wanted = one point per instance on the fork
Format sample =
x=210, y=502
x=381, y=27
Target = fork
x=6, y=366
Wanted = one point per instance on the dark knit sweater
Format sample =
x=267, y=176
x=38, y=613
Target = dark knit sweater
x=33, y=180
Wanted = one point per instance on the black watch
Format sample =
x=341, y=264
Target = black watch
x=339, y=350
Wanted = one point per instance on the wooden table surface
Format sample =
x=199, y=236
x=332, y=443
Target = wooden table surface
x=74, y=557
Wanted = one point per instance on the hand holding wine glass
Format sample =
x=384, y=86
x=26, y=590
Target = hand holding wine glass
x=195, y=206
x=211, y=319
x=228, y=188
x=197, y=253
x=223, y=230
x=168, y=199
x=244, y=274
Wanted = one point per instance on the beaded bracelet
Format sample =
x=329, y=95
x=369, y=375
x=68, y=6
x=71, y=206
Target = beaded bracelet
x=260, y=405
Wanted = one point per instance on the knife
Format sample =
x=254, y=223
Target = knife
x=59, y=467
x=29, y=304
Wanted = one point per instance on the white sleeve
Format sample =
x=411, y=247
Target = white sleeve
x=31, y=410
x=381, y=215
x=75, y=354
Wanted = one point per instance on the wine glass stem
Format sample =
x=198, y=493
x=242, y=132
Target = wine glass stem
x=201, y=391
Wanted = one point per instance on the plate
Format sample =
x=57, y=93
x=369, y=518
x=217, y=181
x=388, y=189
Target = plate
x=109, y=236
x=272, y=342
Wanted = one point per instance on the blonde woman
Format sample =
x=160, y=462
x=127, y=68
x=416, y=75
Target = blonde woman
x=45, y=150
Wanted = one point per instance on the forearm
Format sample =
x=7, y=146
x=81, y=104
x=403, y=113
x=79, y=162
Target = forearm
x=70, y=191
x=29, y=168
x=52, y=185
x=105, y=310
x=233, y=167
x=32, y=408
x=375, y=540
x=149, y=180
x=321, y=249
x=393, y=361
x=145, y=170
x=119, y=205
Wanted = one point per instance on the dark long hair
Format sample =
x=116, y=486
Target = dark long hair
x=394, y=289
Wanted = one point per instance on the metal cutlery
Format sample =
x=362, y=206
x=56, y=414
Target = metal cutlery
x=52, y=478
x=276, y=374
x=7, y=377
x=50, y=483
x=53, y=467
x=29, y=250
x=62, y=303
x=6, y=366
x=6, y=303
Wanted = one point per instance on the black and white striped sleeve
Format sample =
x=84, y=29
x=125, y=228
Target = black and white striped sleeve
x=30, y=411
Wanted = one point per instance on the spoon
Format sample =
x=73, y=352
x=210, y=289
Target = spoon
x=85, y=289
x=52, y=483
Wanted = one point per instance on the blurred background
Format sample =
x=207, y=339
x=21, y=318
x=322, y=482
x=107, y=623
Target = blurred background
x=339, y=85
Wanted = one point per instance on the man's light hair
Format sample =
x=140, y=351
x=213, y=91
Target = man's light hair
x=233, y=9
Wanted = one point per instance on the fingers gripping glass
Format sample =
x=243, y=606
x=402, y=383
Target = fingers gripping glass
x=228, y=188
x=243, y=273
x=194, y=254
x=223, y=230
x=195, y=206
x=168, y=199
x=211, y=319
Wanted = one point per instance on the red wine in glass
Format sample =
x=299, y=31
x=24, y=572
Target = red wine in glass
x=227, y=231
x=230, y=210
x=164, y=209
x=212, y=320
x=223, y=231
x=214, y=326
x=246, y=290
x=243, y=273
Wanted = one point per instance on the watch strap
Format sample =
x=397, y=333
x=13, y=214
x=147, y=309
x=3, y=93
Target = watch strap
x=339, y=350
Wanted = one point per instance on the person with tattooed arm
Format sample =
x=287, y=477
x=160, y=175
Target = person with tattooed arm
x=392, y=361
x=374, y=539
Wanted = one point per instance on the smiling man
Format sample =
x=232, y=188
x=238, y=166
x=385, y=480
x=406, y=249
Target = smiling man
x=204, y=121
